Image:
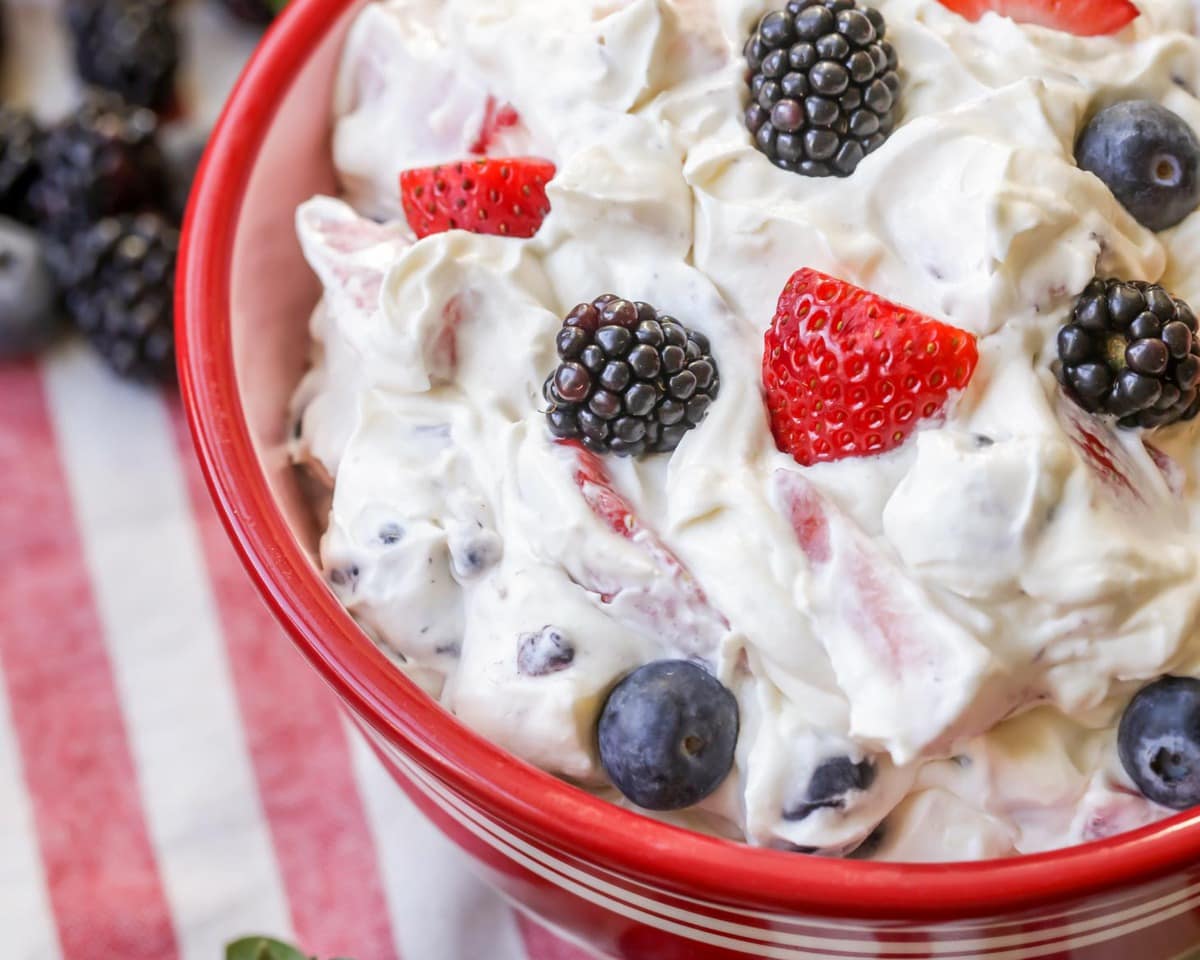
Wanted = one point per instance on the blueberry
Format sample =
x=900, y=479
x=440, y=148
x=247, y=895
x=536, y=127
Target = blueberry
x=831, y=783
x=1148, y=157
x=667, y=733
x=28, y=318
x=544, y=652
x=1159, y=741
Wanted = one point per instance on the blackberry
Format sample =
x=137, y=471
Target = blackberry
x=19, y=141
x=130, y=47
x=1130, y=350
x=120, y=293
x=255, y=11
x=824, y=91
x=630, y=381
x=102, y=160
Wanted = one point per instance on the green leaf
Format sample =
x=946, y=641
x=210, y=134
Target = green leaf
x=277, y=5
x=262, y=948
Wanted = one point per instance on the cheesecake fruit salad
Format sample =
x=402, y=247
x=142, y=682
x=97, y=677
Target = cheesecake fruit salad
x=777, y=417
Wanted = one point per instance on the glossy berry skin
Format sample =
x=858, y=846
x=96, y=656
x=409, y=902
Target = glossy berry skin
x=1148, y=157
x=28, y=298
x=824, y=86
x=1083, y=18
x=847, y=373
x=629, y=381
x=496, y=196
x=1158, y=741
x=667, y=734
x=1130, y=351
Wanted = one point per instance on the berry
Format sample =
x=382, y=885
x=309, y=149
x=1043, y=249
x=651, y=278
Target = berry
x=19, y=141
x=28, y=298
x=831, y=783
x=824, y=91
x=1159, y=741
x=547, y=651
x=493, y=196
x=1130, y=350
x=121, y=293
x=130, y=47
x=1148, y=157
x=667, y=733
x=1084, y=18
x=255, y=11
x=848, y=373
x=182, y=147
x=102, y=160
x=630, y=380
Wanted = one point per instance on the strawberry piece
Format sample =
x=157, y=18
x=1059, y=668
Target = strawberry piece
x=848, y=373
x=673, y=605
x=500, y=197
x=890, y=645
x=1084, y=18
x=496, y=119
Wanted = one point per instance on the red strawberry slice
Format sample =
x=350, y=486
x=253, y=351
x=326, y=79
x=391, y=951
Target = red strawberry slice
x=496, y=119
x=889, y=643
x=496, y=196
x=674, y=606
x=1084, y=18
x=848, y=373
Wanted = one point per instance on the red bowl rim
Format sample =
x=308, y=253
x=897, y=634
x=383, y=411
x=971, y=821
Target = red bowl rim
x=523, y=798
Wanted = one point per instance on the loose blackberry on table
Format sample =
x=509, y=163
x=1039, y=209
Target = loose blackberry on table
x=130, y=47
x=20, y=137
x=102, y=160
x=255, y=11
x=120, y=294
x=1130, y=350
x=824, y=87
x=630, y=380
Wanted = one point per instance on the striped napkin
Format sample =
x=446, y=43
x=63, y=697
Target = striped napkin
x=172, y=775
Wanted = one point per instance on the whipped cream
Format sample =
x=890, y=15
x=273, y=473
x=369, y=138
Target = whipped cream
x=983, y=601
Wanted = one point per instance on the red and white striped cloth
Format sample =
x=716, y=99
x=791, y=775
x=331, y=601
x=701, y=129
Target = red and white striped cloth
x=172, y=774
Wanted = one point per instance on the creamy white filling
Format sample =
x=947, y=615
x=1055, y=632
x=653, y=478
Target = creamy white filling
x=988, y=598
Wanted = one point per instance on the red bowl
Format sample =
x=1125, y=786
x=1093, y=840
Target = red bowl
x=628, y=886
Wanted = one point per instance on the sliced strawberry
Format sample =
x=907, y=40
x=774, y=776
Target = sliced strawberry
x=848, y=373
x=1147, y=487
x=673, y=605
x=501, y=197
x=1084, y=18
x=497, y=118
x=890, y=645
